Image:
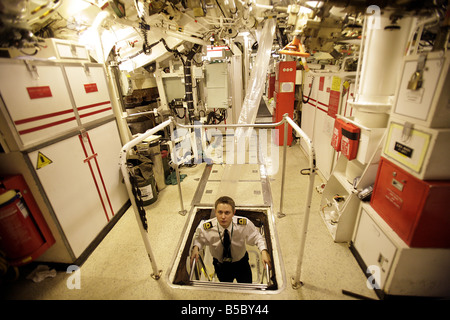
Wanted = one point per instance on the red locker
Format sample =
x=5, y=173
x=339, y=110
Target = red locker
x=417, y=210
x=284, y=96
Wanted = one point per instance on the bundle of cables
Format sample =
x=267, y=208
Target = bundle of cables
x=216, y=117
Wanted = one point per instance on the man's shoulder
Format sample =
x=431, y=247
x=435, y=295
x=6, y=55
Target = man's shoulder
x=208, y=224
x=241, y=221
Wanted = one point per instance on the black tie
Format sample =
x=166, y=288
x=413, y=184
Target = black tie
x=226, y=246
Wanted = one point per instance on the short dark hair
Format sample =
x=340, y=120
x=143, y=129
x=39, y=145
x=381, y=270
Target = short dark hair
x=225, y=200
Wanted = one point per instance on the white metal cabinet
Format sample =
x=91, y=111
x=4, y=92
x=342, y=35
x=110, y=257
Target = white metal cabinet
x=374, y=246
x=82, y=182
x=400, y=269
x=57, y=50
x=36, y=100
x=59, y=115
x=90, y=91
x=68, y=50
x=421, y=151
x=428, y=105
x=217, y=85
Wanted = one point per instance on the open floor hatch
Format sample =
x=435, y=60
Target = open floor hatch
x=180, y=275
x=256, y=206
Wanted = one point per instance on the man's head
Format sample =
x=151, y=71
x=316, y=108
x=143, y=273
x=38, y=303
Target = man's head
x=225, y=210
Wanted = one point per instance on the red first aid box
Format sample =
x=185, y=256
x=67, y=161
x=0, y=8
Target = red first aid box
x=350, y=140
x=417, y=210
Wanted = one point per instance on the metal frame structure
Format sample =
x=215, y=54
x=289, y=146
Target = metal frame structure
x=295, y=280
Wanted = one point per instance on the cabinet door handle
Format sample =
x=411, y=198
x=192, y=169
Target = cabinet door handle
x=380, y=259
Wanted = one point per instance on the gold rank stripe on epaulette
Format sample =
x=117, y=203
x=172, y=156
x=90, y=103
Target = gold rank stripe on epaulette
x=207, y=225
x=242, y=221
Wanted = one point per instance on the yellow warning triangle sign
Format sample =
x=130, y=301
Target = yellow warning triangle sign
x=42, y=160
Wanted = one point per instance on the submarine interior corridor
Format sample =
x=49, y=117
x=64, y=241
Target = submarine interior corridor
x=119, y=267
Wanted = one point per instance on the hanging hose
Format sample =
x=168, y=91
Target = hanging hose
x=189, y=98
x=212, y=116
x=139, y=202
x=310, y=90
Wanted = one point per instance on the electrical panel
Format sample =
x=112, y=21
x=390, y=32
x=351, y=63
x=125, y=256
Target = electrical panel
x=217, y=85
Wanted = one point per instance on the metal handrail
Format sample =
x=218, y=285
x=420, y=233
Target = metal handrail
x=191, y=275
x=241, y=125
x=171, y=122
x=267, y=273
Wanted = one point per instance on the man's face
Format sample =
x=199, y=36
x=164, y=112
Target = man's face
x=224, y=214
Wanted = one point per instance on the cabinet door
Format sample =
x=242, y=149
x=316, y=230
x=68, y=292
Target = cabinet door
x=399, y=198
x=90, y=92
x=69, y=185
x=418, y=103
x=37, y=101
x=81, y=178
x=71, y=51
x=374, y=247
x=104, y=141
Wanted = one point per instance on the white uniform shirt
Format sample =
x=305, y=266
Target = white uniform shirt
x=242, y=231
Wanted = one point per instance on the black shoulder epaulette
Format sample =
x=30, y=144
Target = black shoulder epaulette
x=242, y=221
x=207, y=225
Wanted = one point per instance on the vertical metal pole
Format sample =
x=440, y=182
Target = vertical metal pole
x=177, y=171
x=295, y=281
x=283, y=170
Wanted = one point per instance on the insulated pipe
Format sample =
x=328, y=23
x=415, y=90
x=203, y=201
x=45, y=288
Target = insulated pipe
x=418, y=28
x=185, y=37
x=123, y=166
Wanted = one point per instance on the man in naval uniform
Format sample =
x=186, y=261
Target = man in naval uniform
x=226, y=235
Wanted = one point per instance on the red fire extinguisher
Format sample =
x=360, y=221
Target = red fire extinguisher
x=337, y=134
x=19, y=235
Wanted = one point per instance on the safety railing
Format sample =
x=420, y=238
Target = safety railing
x=295, y=280
x=211, y=283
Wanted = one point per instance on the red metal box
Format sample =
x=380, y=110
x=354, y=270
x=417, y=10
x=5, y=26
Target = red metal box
x=350, y=140
x=417, y=210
